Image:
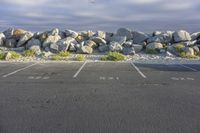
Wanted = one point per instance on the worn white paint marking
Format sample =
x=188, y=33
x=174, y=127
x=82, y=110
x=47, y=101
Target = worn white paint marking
x=138, y=70
x=79, y=70
x=109, y=78
x=30, y=77
x=21, y=69
x=195, y=70
x=182, y=78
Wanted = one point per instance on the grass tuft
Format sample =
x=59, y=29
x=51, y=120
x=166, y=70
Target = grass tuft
x=80, y=58
x=29, y=53
x=185, y=55
x=114, y=56
x=61, y=56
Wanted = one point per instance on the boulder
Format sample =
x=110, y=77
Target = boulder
x=72, y=47
x=128, y=51
x=43, y=36
x=80, y=39
x=64, y=44
x=115, y=47
x=124, y=32
x=156, y=33
x=128, y=44
x=9, y=33
x=154, y=46
x=54, y=32
x=98, y=40
x=90, y=43
x=86, y=34
x=196, y=49
x=70, y=33
x=195, y=36
x=35, y=48
x=2, y=39
x=137, y=47
x=139, y=37
x=162, y=38
x=53, y=48
x=108, y=37
x=100, y=34
x=120, y=39
x=86, y=50
x=189, y=51
x=33, y=42
x=181, y=36
x=24, y=38
x=18, y=33
x=103, y=48
x=11, y=43
x=50, y=39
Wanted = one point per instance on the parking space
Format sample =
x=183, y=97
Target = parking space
x=40, y=72
x=109, y=73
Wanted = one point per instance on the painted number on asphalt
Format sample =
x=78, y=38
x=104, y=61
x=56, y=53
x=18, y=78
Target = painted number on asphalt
x=109, y=78
x=182, y=78
x=38, y=77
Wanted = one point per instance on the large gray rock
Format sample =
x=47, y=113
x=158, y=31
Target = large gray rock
x=2, y=39
x=103, y=48
x=35, y=48
x=137, y=47
x=124, y=32
x=11, y=43
x=33, y=42
x=189, y=51
x=128, y=50
x=25, y=38
x=128, y=44
x=72, y=47
x=98, y=40
x=86, y=50
x=156, y=33
x=139, y=37
x=195, y=36
x=64, y=44
x=9, y=33
x=53, y=48
x=90, y=43
x=100, y=34
x=120, y=39
x=50, y=39
x=161, y=38
x=71, y=33
x=115, y=47
x=54, y=32
x=154, y=46
x=181, y=36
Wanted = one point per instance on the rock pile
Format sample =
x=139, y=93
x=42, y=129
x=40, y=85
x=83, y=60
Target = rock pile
x=179, y=43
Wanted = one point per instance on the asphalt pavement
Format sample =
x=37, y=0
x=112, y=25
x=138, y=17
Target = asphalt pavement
x=99, y=97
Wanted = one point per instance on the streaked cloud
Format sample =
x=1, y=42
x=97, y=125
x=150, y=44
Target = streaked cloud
x=144, y=15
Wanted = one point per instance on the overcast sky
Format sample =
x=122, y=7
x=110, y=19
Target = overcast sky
x=108, y=15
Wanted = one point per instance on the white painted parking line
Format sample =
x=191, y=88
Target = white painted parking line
x=138, y=70
x=79, y=70
x=21, y=69
x=188, y=67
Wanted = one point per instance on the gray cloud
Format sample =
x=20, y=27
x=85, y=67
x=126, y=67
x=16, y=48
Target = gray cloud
x=144, y=15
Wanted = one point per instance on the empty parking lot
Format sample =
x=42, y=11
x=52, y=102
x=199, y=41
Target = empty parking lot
x=99, y=97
